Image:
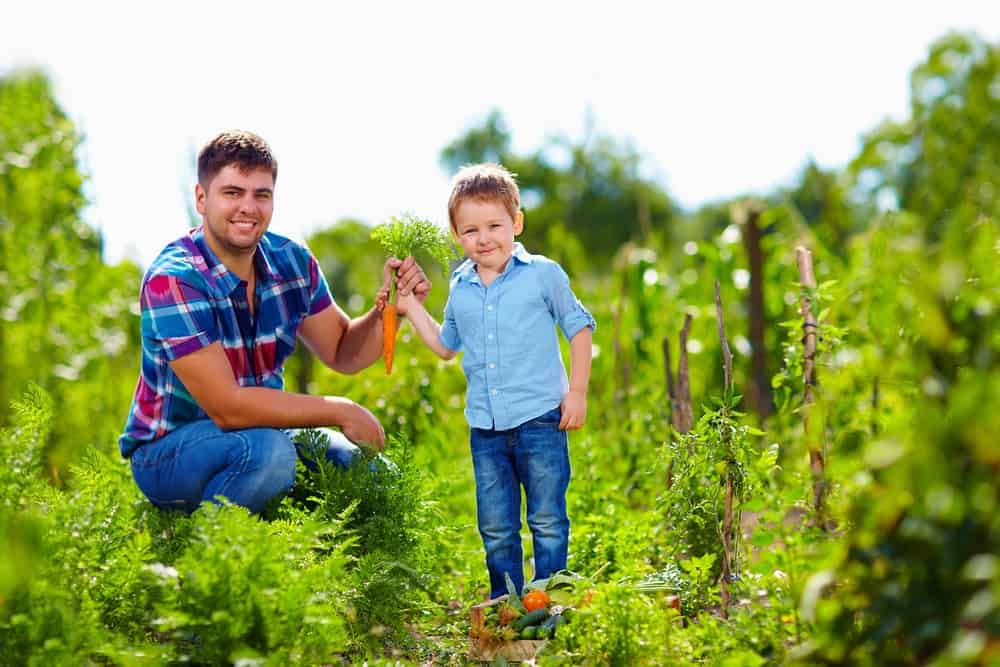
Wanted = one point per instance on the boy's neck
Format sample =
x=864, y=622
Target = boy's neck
x=487, y=276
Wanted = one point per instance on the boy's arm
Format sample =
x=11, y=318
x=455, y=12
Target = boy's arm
x=427, y=327
x=574, y=404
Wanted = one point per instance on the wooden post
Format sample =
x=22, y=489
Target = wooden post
x=814, y=441
x=728, y=557
x=681, y=414
x=680, y=395
x=622, y=371
x=747, y=215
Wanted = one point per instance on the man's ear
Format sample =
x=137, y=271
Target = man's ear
x=199, y=198
x=519, y=223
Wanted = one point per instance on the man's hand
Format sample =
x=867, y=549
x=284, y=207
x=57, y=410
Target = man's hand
x=359, y=425
x=574, y=411
x=409, y=277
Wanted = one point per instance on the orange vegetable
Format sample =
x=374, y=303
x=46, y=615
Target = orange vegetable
x=536, y=599
x=390, y=323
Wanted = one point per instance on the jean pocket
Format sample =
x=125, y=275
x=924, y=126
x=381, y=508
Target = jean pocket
x=150, y=456
x=549, y=419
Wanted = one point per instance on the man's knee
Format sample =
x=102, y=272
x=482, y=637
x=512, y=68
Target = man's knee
x=271, y=450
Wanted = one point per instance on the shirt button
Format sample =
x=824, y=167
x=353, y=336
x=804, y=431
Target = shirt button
x=494, y=392
x=493, y=365
x=489, y=336
x=490, y=307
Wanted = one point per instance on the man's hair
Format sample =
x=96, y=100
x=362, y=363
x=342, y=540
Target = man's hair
x=487, y=181
x=246, y=150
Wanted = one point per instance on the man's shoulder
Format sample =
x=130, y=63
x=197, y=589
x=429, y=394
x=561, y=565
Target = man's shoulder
x=286, y=255
x=178, y=260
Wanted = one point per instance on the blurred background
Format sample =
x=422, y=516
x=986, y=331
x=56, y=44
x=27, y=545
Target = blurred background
x=659, y=150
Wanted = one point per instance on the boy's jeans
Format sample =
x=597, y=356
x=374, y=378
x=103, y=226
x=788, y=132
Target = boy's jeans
x=535, y=455
x=199, y=461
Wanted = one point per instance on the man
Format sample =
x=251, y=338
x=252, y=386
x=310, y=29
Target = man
x=221, y=309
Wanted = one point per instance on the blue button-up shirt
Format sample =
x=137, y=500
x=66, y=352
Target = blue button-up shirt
x=507, y=330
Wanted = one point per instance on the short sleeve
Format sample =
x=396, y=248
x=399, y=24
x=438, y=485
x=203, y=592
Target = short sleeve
x=177, y=319
x=319, y=291
x=450, y=337
x=569, y=313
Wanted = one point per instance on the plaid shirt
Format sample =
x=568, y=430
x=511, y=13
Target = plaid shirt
x=189, y=300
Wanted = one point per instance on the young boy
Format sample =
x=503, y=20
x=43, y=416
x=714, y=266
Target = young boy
x=503, y=309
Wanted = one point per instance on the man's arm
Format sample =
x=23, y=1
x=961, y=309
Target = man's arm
x=349, y=346
x=208, y=377
x=345, y=345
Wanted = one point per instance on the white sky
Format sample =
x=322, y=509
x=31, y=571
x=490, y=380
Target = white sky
x=721, y=98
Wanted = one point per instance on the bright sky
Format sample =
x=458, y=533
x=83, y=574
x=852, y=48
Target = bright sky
x=358, y=99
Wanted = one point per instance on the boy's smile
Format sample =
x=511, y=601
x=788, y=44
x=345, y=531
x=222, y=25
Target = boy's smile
x=486, y=233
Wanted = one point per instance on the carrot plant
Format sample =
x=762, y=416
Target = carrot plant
x=402, y=237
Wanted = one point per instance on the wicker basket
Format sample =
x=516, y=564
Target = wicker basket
x=515, y=650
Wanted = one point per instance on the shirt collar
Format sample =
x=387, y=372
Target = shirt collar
x=467, y=269
x=220, y=278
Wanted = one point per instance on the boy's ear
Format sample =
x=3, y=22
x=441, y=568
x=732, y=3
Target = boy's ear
x=519, y=223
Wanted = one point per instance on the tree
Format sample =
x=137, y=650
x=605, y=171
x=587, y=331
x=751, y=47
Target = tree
x=598, y=195
x=65, y=315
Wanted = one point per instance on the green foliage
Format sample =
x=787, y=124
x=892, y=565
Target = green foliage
x=384, y=506
x=718, y=449
x=65, y=317
x=379, y=563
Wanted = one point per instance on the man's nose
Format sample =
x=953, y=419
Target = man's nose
x=248, y=204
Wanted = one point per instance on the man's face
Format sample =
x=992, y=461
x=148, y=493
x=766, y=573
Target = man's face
x=237, y=209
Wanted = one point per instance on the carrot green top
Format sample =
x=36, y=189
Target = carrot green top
x=406, y=235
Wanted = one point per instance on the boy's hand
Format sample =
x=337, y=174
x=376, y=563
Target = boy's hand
x=409, y=277
x=404, y=303
x=574, y=411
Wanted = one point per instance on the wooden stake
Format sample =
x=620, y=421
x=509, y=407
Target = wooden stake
x=817, y=464
x=681, y=408
x=728, y=557
x=747, y=215
x=680, y=395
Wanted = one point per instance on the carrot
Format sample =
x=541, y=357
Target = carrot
x=401, y=237
x=389, y=325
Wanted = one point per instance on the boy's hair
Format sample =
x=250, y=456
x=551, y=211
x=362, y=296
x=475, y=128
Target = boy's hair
x=487, y=181
x=244, y=149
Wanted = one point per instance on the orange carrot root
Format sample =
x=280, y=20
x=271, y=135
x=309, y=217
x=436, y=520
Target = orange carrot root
x=389, y=325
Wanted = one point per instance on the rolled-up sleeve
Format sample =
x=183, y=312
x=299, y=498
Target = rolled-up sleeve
x=450, y=337
x=320, y=297
x=569, y=313
x=176, y=317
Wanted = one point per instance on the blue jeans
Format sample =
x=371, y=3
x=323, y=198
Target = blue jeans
x=534, y=455
x=200, y=461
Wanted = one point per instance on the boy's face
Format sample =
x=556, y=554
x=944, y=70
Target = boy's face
x=486, y=232
x=237, y=209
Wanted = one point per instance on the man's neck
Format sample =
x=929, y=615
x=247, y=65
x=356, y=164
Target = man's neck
x=240, y=263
